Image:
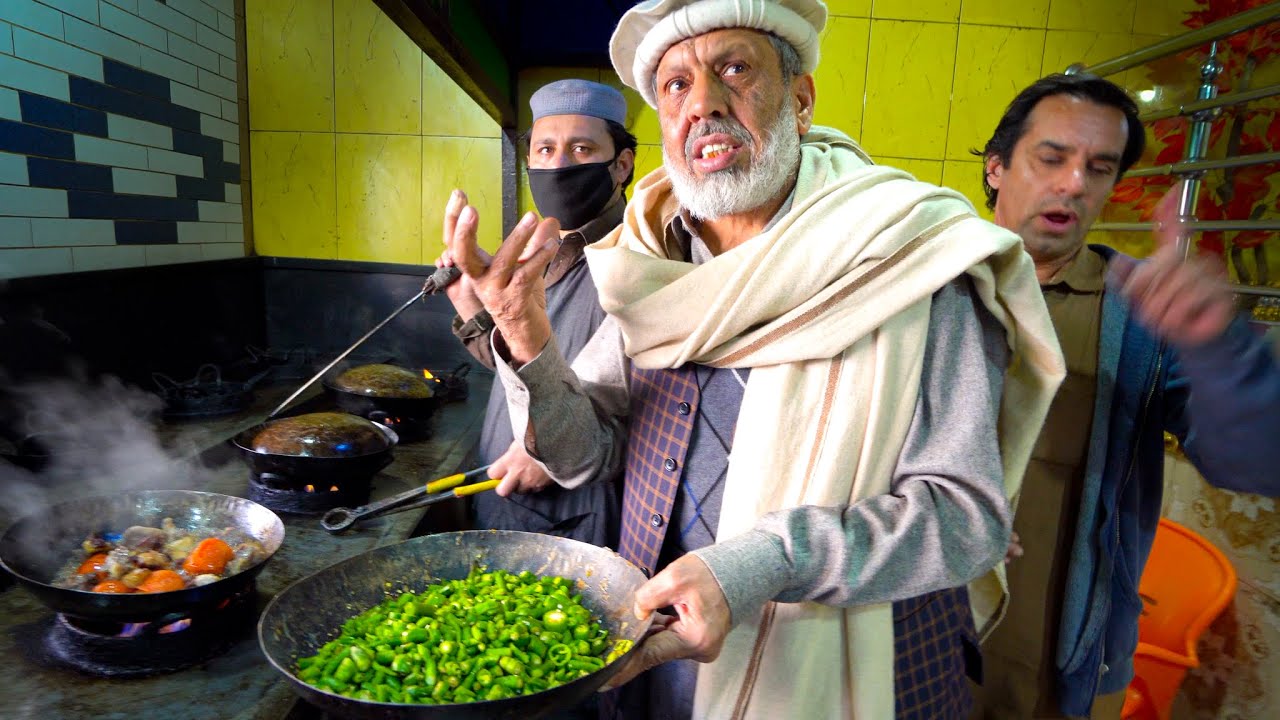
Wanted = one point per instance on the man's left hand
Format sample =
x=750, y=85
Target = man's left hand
x=519, y=472
x=1185, y=301
x=699, y=628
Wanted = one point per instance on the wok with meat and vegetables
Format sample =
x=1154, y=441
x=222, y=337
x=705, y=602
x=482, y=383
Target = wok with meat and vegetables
x=149, y=559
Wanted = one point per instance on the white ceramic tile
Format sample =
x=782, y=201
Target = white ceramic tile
x=108, y=44
x=231, y=111
x=227, y=25
x=141, y=132
x=10, y=109
x=103, y=151
x=232, y=192
x=215, y=41
x=31, y=14
x=30, y=262
x=20, y=201
x=201, y=232
x=195, y=10
x=141, y=182
x=176, y=163
x=130, y=5
x=197, y=55
x=216, y=84
x=227, y=67
x=84, y=9
x=110, y=257
x=222, y=251
x=6, y=38
x=172, y=254
x=56, y=54
x=15, y=232
x=68, y=232
x=230, y=152
x=221, y=129
x=22, y=75
x=235, y=233
x=13, y=169
x=167, y=18
x=133, y=27
x=220, y=211
x=168, y=66
x=189, y=97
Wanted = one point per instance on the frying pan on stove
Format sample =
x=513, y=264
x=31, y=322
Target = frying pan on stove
x=318, y=447
x=38, y=546
x=311, y=612
x=382, y=388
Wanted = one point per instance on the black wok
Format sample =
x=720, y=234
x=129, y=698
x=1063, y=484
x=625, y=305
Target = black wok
x=311, y=612
x=399, y=407
x=349, y=468
x=38, y=546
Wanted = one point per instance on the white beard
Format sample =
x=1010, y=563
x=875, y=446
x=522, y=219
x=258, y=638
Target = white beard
x=735, y=190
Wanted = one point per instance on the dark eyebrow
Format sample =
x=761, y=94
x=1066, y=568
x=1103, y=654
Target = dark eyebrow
x=1059, y=147
x=577, y=140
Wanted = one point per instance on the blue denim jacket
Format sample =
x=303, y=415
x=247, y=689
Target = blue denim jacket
x=1222, y=401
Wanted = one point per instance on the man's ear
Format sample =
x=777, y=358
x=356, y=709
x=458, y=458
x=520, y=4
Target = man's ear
x=623, y=165
x=803, y=95
x=994, y=170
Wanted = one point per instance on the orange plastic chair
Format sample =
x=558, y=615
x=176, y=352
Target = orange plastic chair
x=1186, y=584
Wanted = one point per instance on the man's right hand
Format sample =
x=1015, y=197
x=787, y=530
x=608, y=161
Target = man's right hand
x=461, y=293
x=509, y=285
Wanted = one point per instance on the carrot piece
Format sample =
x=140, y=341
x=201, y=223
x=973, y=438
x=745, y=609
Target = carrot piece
x=209, y=558
x=95, y=564
x=112, y=586
x=162, y=581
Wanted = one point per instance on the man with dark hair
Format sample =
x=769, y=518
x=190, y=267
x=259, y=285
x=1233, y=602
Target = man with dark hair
x=581, y=160
x=1150, y=347
x=820, y=378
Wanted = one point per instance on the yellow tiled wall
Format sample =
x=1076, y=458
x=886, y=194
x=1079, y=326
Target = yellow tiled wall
x=357, y=138
x=921, y=82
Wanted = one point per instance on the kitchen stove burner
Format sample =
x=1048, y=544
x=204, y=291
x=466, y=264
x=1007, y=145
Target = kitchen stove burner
x=131, y=650
x=408, y=429
x=286, y=495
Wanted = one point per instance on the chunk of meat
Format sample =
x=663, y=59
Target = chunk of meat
x=139, y=537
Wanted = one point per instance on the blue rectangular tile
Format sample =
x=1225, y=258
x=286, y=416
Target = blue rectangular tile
x=44, y=172
x=222, y=171
x=81, y=204
x=134, y=232
x=27, y=139
x=135, y=80
x=198, y=189
x=209, y=148
x=51, y=112
x=122, y=102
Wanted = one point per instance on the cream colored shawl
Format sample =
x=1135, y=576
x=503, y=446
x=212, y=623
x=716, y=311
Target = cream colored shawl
x=830, y=309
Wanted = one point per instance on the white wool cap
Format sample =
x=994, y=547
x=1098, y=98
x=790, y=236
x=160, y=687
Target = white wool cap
x=648, y=30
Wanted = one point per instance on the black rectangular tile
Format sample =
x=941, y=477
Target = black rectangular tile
x=137, y=232
x=222, y=171
x=122, y=102
x=44, y=172
x=81, y=204
x=139, y=81
x=209, y=148
x=51, y=112
x=199, y=189
x=24, y=139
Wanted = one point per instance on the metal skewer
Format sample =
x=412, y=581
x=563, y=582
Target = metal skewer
x=441, y=278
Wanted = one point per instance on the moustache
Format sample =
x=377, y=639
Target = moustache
x=713, y=126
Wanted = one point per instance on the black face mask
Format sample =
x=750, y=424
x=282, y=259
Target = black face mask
x=574, y=194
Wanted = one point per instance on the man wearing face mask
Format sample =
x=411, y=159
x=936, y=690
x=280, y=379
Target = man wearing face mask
x=581, y=160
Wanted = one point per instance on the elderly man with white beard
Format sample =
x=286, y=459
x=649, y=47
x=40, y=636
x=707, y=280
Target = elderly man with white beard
x=821, y=379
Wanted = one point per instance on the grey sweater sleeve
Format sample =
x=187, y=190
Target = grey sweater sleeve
x=945, y=519
x=572, y=419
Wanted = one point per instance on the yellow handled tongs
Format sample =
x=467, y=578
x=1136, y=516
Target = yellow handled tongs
x=445, y=488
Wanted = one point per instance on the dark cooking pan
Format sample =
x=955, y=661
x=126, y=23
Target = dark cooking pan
x=388, y=389
x=311, y=612
x=361, y=461
x=38, y=546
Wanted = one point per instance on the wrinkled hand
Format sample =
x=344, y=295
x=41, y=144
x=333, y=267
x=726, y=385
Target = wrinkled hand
x=1014, y=551
x=1186, y=302
x=509, y=285
x=699, y=628
x=461, y=293
x=519, y=472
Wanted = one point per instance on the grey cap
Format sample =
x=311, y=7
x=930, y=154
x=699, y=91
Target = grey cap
x=579, y=97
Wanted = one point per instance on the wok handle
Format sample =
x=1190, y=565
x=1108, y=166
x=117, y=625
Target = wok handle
x=339, y=519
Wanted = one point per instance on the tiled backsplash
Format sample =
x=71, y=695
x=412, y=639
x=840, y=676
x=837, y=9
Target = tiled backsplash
x=119, y=134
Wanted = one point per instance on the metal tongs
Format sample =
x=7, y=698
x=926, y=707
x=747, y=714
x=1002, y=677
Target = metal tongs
x=339, y=519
